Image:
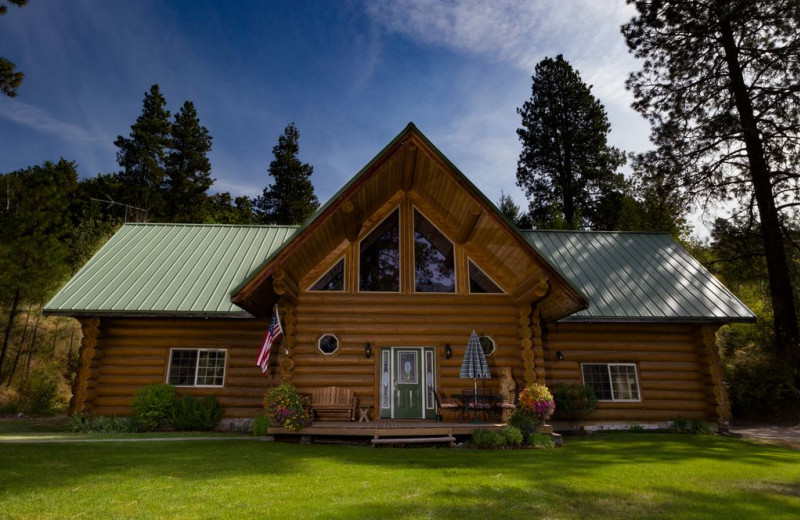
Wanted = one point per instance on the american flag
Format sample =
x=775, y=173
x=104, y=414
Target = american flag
x=274, y=332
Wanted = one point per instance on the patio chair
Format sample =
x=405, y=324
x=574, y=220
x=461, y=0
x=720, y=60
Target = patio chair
x=441, y=407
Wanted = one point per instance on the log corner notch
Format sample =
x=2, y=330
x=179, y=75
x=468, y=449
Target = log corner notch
x=286, y=363
x=715, y=383
x=467, y=225
x=350, y=220
x=90, y=327
x=531, y=292
x=409, y=167
x=284, y=286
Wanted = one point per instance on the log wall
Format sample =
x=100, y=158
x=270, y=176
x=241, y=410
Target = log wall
x=132, y=353
x=675, y=374
x=398, y=320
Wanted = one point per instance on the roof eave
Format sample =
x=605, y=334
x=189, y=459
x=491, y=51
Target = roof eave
x=147, y=314
x=658, y=319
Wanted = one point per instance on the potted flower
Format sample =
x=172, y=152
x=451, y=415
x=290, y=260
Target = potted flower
x=535, y=405
x=284, y=407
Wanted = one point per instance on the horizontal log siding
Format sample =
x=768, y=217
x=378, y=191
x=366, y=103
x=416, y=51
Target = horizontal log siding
x=397, y=320
x=132, y=353
x=673, y=378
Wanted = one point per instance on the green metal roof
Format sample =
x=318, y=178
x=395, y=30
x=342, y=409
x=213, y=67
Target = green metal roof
x=637, y=277
x=169, y=269
x=190, y=270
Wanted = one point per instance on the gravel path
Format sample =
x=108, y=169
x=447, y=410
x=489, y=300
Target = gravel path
x=784, y=435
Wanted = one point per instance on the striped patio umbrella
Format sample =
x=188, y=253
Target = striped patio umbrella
x=474, y=366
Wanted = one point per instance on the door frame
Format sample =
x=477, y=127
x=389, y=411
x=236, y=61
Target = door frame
x=386, y=382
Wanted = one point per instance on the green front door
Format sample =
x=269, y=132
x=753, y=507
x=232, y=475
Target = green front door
x=408, y=383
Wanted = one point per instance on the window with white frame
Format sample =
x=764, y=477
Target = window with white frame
x=612, y=381
x=196, y=367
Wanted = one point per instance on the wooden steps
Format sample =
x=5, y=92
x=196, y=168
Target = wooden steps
x=413, y=440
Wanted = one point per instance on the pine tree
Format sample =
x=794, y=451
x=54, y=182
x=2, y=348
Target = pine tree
x=719, y=85
x=290, y=198
x=223, y=209
x=566, y=163
x=188, y=169
x=34, y=226
x=511, y=210
x=142, y=155
x=10, y=79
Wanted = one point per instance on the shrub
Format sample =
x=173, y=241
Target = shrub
x=574, y=403
x=152, y=405
x=284, y=407
x=541, y=440
x=760, y=387
x=680, y=425
x=260, y=425
x=488, y=438
x=103, y=424
x=512, y=436
x=635, y=428
x=9, y=401
x=523, y=422
x=39, y=393
x=693, y=426
x=210, y=412
x=190, y=414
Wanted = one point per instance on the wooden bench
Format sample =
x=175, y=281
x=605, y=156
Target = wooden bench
x=333, y=403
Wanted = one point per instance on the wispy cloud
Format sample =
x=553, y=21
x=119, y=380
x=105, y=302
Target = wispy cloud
x=37, y=119
x=519, y=33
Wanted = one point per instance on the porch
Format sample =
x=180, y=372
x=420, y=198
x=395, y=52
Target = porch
x=389, y=431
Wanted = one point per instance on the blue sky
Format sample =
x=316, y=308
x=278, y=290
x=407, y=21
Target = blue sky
x=350, y=74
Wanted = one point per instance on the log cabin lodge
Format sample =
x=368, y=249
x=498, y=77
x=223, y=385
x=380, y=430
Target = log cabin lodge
x=401, y=264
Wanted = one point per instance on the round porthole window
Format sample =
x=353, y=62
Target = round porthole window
x=328, y=344
x=487, y=344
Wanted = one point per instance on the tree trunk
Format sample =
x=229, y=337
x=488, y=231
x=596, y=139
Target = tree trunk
x=10, y=325
x=33, y=343
x=787, y=336
x=20, y=346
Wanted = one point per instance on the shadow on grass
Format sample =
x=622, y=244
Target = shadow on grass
x=607, y=476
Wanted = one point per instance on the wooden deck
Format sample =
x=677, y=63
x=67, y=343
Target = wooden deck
x=386, y=428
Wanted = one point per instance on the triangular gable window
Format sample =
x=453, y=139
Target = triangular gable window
x=479, y=282
x=379, y=257
x=434, y=262
x=333, y=280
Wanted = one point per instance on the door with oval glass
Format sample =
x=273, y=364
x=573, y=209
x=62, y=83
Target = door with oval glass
x=407, y=383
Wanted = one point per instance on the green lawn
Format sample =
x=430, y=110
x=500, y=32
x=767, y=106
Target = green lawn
x=619, y=476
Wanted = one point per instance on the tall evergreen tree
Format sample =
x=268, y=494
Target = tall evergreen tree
x=188, y=170
x=223, y=209
x=566, y=164
x=34, y=225
x=719, y=83
x=511, y=210
x=142, y=155
x=10, y=79
x=290, y=198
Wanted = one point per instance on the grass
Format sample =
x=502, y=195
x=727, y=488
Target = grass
x=641, y=475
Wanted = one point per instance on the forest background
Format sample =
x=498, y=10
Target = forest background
x=718, y=85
